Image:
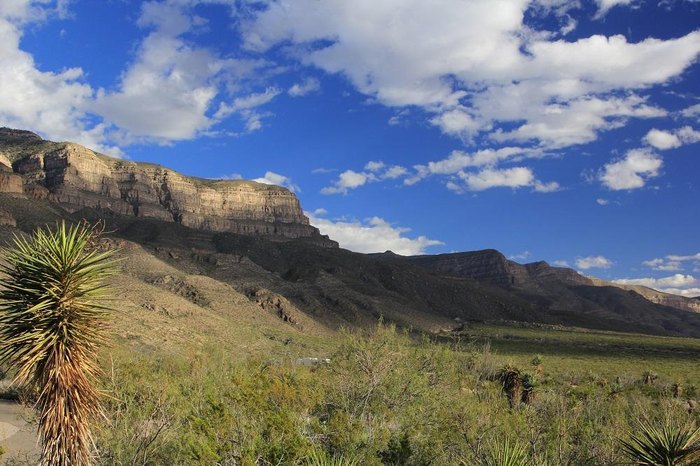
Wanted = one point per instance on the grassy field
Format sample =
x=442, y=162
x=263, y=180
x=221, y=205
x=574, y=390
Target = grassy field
x=582, y=351
x=389, y=398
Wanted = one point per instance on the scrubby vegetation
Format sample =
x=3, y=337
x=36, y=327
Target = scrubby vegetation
x=385, y=399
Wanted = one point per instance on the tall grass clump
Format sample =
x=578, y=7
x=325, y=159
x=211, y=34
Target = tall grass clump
x=52, y=323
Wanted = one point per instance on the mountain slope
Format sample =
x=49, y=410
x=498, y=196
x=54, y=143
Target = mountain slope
x=210, y=255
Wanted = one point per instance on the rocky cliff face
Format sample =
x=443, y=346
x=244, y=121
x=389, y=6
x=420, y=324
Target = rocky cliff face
x=562, y=287
x=490, y=266
x=75, y=177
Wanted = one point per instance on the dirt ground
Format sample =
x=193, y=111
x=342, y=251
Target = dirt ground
x=17, y=436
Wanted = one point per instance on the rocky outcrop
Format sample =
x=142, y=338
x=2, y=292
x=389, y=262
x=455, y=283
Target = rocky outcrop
x=658, y=297
x=562, y=287
x=492, y=267
x=76, y=177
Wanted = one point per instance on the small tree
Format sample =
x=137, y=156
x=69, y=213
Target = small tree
x=52, y=323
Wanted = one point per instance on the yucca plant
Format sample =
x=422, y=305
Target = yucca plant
x=506, y=453
x=52, y=323
x=319, y=457
x=665, y=445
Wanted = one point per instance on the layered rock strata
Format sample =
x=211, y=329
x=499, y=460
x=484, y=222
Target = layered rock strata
x=76, y=177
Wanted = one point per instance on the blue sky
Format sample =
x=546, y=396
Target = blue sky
x=564, y=131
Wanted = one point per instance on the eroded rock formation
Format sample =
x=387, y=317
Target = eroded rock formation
x=76, y=177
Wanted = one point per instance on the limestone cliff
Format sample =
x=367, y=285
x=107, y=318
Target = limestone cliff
x=76, y=177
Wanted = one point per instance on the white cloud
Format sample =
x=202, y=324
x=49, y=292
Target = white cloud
x=308, y=86
x=605, y=5
x=523, y=256
x=663, y=140
x=593, y=262
x=672, y=262
x=686, y=292
x=688, y=135
x=374, y=171
x=632, y=171
x=372, y=235
x=603, y=202
x=166, y=92
x=374, y=166
x=347, y=180
x=561, y=263
x=459, y=160
x=692, y=257
x=515, y=177
x=684, y=285
x=472, y=66
x=278, y=180
x=51, y=103
x=691, y=111
x=577, y=121
x=663, y=265
x=246, y=107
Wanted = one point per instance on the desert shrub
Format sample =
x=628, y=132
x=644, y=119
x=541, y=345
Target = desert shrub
x=386, y=398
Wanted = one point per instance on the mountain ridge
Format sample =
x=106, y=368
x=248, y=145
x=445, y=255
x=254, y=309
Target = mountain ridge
x=267, y=253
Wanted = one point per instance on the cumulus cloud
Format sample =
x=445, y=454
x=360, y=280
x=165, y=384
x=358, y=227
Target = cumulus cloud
x=664, y=140
x=672, y=262
x=691, y=111
x=373, y=171
x=278, y=180
x=372, y=235
x=166, y=92
x=593, y=262
x=680, y=284
x=308, y=86
x=488, y=178
x=347, y=180
x=515, y=177
x=632, y=171
x=51, y=103
x=459, y=168
x=473, y=67
x=458, y=160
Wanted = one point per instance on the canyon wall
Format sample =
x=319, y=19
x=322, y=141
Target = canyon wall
x=76, y=177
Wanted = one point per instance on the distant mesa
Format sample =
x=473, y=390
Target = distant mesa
x=76, y=177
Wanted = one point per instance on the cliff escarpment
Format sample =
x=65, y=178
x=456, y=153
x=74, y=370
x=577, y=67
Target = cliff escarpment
x=555, y=287
x=76, y=177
